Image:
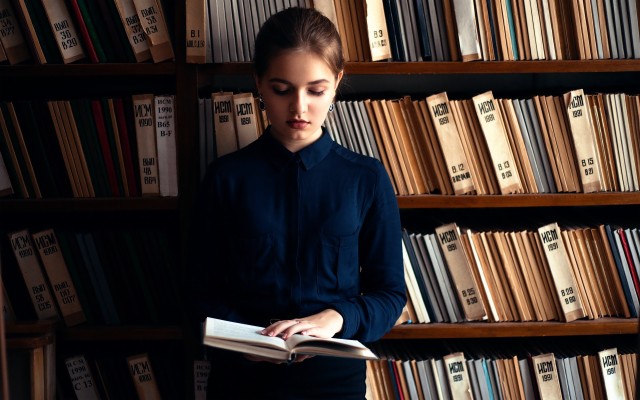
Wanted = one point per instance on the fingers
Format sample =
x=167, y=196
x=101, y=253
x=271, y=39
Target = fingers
x=286, y=328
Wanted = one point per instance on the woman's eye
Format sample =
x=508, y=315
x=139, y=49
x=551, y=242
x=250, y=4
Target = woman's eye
x=316, y=92
x=280, y=91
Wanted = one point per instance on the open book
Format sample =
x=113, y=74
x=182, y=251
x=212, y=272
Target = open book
x=248, y=339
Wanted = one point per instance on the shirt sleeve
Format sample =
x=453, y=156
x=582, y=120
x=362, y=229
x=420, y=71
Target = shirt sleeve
x=383, y=295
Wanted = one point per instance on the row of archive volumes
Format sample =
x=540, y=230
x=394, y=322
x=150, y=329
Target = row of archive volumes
x=227, y=122
x=89, y=278
x=119, y=375
x=576, y=142
x=225, y=30
x=430, y=30
x=566, y=374
x=550, y=274
x=85, y=31
x=89, y=147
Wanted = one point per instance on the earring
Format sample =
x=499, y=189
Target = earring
x=261, y=105
x=331, y=107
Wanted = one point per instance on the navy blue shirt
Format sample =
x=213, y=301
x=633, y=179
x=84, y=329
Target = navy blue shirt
x=286, y=235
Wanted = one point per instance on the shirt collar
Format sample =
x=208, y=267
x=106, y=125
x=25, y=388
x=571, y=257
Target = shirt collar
x=309, y=156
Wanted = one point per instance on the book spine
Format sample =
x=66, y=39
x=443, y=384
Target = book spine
x=377, y=31
x=465, y=18
x=143, y=377
x=31, y=270
x=143, y=107
x=223, y=123
x=612, y=373
x=201, y=371
x=584, y=138
x=196, y=38
x=546, y=374
x=493, y=128
x=458, y=376
x=449, y=138
x=13, y=41
x=560, y=267
x=460, y=270
x=154, y=25
x=133, y=28
x=59, y=278
x=64, y=30
x=84, y=385
x=166, y=144
x=245, y=118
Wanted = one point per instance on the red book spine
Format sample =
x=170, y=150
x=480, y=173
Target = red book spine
x=84, y=32
x=104, y=144
x=127, y=151
x=629, y=257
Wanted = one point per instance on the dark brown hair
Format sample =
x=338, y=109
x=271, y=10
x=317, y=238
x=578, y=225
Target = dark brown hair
x=298, y=28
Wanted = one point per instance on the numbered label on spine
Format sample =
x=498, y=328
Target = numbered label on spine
x=460, y=270
x=545, y=371
x=495, y=134
x=561, y=271
x=612, y=373
x=449, y=138
x=456, y=369
x=81, y=378
x=33, y=276
x=64, y=30
x=584, y=139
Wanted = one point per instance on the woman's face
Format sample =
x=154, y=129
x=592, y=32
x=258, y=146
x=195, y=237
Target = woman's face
x=297, y=89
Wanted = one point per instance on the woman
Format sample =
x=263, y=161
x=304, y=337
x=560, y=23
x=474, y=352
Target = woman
x=297, y=233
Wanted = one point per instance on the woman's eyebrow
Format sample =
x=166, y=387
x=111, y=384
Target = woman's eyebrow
x=284, y=81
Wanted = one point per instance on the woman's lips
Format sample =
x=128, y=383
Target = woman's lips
x=297, y=124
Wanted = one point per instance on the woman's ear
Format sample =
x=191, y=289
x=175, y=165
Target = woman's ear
x=338, y=79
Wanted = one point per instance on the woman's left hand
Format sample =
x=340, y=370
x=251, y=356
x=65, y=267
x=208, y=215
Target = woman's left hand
x=324, y=324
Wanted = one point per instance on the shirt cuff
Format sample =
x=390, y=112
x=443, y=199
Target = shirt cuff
x=350, y=319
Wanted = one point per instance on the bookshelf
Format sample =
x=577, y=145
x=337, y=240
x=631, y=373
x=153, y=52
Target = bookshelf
x=188, y=81
x=165, y=339
x=462, y=80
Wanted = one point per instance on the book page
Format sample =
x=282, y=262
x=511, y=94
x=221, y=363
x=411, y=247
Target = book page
x=236, y=332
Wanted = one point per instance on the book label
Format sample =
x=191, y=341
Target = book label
x=32, y=273
x=224, y=123
x=81, y=378
x=456, y=369
x=584, y=138
x=143, y=107
x=154, y=26
x=201, y=370
x=377, y=31
x=64, y=30
x=611, y=373
x=166, y=145
x=561, y=271
x=56, y=269
x=133, y=29
x=545, y=371
x=143, y=377
x=449, y=138
x=495, y=134
x=458, y=263
x=246, y=125
x=11, y=37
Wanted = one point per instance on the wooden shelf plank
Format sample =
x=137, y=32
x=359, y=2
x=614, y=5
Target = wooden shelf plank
x=121, y=333
x=519, y=200
x=481, y=67
x=89, y=204
x=76, y=70
x=602, y=326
